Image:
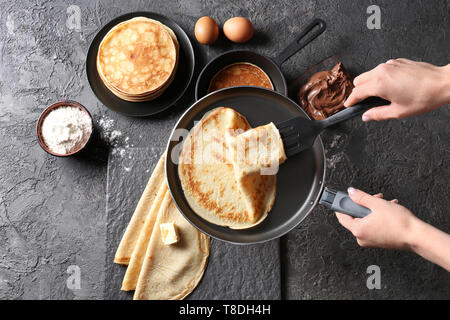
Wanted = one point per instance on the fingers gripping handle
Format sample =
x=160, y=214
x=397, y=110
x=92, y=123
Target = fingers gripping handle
x=340, y=201
x=353, y=111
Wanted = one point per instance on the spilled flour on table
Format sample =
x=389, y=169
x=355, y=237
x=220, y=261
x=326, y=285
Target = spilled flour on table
x=336, y=141
x=334, y=159
x=119, y=144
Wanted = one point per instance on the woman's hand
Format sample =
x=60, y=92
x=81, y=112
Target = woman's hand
x=391, y=225
x=412, y=87
x=388, y=226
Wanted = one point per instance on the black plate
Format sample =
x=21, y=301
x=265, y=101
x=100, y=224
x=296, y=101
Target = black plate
x=173, y=93
x=300, y=178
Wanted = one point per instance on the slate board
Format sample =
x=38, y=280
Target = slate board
x=233, y=272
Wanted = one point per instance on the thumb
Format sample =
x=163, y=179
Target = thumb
x=362, y=198
x=378, y=113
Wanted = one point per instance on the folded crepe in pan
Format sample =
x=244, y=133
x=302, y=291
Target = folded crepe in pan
x=137, y=222
x=138, y=58
x=256, y=155
x=258, y=150
x=213, y=188
x=171, y=272
x=137, y=258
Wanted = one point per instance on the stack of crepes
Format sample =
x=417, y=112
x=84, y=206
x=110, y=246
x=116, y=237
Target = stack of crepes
x=157, y=271
x=137, y=59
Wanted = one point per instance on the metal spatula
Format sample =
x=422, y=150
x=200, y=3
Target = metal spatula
x=299, y=133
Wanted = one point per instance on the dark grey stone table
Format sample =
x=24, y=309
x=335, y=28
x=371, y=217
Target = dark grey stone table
x=53, y=211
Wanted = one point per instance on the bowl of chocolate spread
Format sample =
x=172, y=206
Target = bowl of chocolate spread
x=322, y=90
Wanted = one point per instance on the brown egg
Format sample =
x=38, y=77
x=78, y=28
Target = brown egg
x=238, y=29
x=206, y=30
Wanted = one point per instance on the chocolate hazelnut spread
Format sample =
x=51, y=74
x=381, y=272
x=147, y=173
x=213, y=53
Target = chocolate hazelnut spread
x=325, y=92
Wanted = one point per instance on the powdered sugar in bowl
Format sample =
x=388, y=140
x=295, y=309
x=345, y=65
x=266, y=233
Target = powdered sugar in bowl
x=64, y=128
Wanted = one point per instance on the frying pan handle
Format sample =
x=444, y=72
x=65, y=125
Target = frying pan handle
x=353, y=111
x=340, y=201
x=302, y=40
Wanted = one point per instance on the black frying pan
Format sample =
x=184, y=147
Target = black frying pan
x=300, y=178
x=270, y=66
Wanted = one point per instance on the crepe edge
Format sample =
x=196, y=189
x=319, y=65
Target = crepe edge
x=130, y=236
x=129, y=281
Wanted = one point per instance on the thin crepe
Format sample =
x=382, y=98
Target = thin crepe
x=155, y=270
x=131, y=235
x=258, y=150
x=240, y=74
x=213, y=188
x=171, y=272
x=137, y=258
